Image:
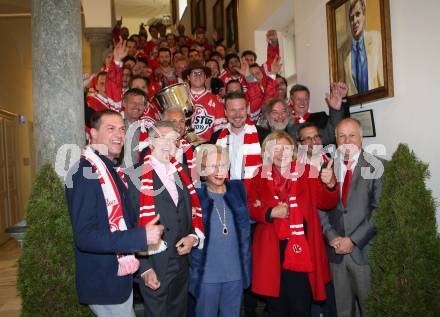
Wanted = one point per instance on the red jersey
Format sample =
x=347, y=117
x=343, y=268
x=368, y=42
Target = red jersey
x=226, y=76
x=209, y=114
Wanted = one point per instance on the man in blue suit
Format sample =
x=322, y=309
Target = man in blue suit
x=104, y=222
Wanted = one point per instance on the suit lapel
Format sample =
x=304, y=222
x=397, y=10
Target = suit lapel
x=184, y=195
x=356, y=175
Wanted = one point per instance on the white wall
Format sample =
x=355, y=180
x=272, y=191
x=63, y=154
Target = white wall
x=413, y=114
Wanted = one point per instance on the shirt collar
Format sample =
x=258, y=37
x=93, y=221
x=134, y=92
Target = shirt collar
x=161, y=168
x=361, y=44
x=354, y=159
x=233, y=133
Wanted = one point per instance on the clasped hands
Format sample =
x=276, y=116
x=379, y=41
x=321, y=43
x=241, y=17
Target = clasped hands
x=342, y=245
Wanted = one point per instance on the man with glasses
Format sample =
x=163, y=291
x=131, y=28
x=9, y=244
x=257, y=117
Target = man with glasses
x=209, y=115
x=310, y=152
x=338, y=109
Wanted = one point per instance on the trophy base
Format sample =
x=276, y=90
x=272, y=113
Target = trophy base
x=194, y=139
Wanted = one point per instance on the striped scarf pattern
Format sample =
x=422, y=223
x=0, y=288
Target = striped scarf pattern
x=297, y=253
x=147, y=209
x=127, y=263
x=252, y=149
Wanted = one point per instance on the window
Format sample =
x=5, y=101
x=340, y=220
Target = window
x=182, y=6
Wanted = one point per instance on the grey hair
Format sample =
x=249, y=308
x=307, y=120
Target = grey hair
x=164, y=115
x=153, y=130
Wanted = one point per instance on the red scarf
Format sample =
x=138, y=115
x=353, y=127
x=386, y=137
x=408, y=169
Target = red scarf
x=252, y=149
x=147, y=210
x=127, y=263
x=297, y=254
x=298, y=119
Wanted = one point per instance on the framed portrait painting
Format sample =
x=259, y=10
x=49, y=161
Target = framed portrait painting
x=232, y=25
x=359, y=45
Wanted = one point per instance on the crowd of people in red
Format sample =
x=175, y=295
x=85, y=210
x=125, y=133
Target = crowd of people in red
x=268, y=164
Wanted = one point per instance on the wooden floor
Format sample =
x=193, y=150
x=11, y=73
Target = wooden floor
x=10, y=302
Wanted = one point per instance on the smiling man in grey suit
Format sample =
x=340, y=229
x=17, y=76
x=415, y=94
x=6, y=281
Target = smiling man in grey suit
x=351, y=230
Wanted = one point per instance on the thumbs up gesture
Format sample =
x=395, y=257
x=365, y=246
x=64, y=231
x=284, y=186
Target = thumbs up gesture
x=328, y=176
x=154, y=231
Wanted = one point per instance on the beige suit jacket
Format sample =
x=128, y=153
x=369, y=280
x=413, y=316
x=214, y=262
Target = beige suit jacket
x=373, y=47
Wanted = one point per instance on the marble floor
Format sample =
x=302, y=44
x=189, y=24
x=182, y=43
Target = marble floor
x=10, y=302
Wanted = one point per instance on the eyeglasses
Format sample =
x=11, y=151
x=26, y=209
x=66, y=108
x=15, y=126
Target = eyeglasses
x=222, y=167
x=197, y=73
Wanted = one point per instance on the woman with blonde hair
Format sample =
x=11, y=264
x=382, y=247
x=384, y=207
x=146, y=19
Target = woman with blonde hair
x=289, y=261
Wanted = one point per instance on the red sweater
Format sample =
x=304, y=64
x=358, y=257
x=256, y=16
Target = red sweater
x=266, y=267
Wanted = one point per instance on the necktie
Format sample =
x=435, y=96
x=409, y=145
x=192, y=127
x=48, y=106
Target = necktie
x=347, y=181
x=358, y=68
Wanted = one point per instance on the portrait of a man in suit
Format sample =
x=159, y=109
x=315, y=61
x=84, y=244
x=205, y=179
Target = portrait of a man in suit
x=360, y=54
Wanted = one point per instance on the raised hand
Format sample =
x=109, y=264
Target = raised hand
x=244, y=69
x=214, y=36
x=334, y=99
x=87, y=79
x=120, y=50
x=276, y=66
x=328, y=176
x=271, y=36
x=343, y=89
x=154, y=231
x=119, y=22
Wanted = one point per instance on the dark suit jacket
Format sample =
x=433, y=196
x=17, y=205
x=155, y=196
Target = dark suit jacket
x=95, y=246
x=356, y=219
x=165, y=206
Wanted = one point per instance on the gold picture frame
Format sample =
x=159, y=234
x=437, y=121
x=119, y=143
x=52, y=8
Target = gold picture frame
x=359, y=48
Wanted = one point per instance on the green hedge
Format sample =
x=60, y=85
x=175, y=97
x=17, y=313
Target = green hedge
x=46, y=272
x=405, y=258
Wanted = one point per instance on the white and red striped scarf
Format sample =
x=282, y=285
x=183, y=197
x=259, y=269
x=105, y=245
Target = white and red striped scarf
x=252, y=148
x=301, y=119
x=147, y=210
x=189, y=154
x=146, y=121
x=297, y=254
x=127, y=263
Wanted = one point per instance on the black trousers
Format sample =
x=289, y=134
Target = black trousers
x=171, y=298
x=295, y=293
